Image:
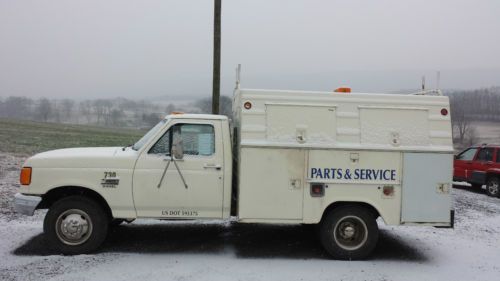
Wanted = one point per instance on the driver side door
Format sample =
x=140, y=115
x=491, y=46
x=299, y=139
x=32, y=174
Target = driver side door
x=202, y=168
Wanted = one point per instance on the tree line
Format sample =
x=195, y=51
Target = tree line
x=117, y=112
x=472, y=105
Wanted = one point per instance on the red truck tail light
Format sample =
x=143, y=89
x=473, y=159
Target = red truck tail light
x=317, y=189
x=25, y=177
x=388, y=190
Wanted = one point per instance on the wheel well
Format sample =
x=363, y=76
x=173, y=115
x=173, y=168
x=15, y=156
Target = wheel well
x=58, y=193
x=335, y=205
x=491, y=175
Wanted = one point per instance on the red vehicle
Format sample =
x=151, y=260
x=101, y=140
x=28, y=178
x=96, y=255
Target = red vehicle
x=479, y=165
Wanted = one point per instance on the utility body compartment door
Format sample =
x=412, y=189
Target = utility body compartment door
x=271, y=184
x=427, y=179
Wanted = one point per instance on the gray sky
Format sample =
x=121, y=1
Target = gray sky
x=141, y=49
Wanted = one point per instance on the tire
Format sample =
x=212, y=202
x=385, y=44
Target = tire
x=86, y=225
x=493, y=187
x=358, y=238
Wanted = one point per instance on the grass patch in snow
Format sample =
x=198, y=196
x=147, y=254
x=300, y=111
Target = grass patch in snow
x=28, y=137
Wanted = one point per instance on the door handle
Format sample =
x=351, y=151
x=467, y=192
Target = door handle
x=212, y=166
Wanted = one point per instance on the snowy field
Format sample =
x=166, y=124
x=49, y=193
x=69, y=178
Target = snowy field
x=146, y=250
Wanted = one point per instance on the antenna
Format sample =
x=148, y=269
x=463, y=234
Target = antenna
x=438, y=78
x=238, y=75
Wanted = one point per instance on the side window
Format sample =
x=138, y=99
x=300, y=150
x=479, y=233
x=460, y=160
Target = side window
x=162, y=146
x=197, y=139
x=486, y=154
x=467, y=155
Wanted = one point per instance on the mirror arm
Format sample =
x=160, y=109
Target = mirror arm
x=172, y=159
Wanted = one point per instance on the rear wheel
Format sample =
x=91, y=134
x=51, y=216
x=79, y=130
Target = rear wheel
x=349, y=233
x=75, y=225
x=493, y=187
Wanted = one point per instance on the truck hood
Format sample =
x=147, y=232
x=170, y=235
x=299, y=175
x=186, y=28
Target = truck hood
x=85, y=157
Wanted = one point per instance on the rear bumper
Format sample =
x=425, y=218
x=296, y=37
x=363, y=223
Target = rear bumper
x=25, y=204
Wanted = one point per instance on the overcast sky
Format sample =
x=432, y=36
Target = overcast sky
x=141, y=49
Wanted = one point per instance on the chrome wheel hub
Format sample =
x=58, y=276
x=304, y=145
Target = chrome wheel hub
x=73, y=227
x=350, y=233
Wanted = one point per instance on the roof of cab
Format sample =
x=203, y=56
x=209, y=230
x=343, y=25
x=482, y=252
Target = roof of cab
x=196, y=116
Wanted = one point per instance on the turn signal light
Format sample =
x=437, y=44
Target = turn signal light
x=25, y=178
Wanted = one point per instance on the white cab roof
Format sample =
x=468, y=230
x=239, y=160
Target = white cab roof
x=196, y=116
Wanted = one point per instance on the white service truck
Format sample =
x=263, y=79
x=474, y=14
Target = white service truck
x=336, y=160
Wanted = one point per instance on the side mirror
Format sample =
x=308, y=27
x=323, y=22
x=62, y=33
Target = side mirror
x=177, y=147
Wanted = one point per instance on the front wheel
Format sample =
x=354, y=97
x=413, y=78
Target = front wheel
x=349, y=233
x=493, y=187
x=75, y=225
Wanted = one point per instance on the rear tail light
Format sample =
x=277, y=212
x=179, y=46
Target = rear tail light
x=388, y=190
x=25, y=177
x=317, y=189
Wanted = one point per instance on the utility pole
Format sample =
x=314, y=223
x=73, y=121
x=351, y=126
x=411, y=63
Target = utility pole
x=216, y=69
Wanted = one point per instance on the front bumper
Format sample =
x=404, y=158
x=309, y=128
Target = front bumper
x=25, y=204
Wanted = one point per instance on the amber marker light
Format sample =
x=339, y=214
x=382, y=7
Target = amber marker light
x=343, y=90
x=25, y=177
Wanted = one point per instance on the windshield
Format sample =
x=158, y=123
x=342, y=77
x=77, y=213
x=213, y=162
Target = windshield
x=140, y=143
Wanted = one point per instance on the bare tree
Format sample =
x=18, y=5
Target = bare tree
x=116, y=117
x=44, y=109
x=86, y=110
x=459, y=119
x=67, y=108
x=16, y=107
x=471, y=137
x=99, y=109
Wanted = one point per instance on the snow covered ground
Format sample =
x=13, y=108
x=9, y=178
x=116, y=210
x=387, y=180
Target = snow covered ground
x=147, y=250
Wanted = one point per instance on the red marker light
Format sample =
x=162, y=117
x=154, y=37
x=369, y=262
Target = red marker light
x=247, y=105
x=317, y=189
x=444, y=111
x=388, y=190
